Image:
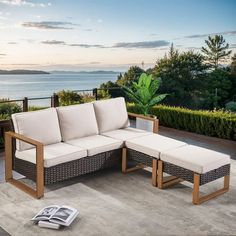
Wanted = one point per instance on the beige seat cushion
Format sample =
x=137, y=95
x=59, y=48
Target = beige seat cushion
x=194, y=158
x=126, y=133
x=153, y=144
x=54, y=154
x=42, y=126
x=97, y=144
x=77, y=121
x=111, y=114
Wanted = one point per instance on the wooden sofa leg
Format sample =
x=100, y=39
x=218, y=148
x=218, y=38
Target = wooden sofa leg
x=124, y=160
x=164, y=182
x=124, y=163
x=39, y=192
x=154, y=172
x=196, y=185
x=160, y=174
x=197, y=199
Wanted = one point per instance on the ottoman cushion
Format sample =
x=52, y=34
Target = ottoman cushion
x=197, y=159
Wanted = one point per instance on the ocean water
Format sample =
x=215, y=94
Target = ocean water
x=44, y=85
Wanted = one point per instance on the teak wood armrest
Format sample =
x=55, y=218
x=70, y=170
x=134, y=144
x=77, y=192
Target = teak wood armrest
x=38, y=193
x=154, y=120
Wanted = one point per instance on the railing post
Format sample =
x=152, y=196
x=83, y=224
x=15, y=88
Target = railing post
x=25, y=104
x=95, y=93
x=54, y=100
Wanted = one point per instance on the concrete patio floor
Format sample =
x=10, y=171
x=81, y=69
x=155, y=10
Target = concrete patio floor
x=131, y=204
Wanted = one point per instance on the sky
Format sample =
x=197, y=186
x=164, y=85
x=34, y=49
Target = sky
x=107, y=34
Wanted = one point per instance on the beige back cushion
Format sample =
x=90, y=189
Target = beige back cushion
x=42, y=126
x=77, y=121
x=111, y=114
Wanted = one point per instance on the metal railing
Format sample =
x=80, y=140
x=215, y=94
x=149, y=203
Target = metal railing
x=55, y=98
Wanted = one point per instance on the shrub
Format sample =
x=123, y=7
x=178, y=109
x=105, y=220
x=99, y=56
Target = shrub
x=87, y=98
x=67, y=97
x=211, y=123
x=36, y=108
x=231, y=106
x=8, y=108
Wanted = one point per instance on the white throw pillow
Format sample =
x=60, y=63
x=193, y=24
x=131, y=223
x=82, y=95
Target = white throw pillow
x=77, y=121
x=111, y=114
x=42, y=126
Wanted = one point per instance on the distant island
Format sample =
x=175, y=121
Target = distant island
x=22, y=72
x=84, y=72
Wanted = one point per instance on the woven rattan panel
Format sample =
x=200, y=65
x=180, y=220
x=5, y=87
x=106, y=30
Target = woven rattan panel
x=188, y=174
x=70, y=169
x=140, y=157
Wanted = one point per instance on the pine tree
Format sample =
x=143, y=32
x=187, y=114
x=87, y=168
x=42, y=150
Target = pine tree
x=216, y=50
x=233, y=64
x=173, y=53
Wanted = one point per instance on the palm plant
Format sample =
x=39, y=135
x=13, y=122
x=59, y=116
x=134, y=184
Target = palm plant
x=144, y=93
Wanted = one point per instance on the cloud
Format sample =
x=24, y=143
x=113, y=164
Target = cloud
x=94, y=62
x=153, y=34
x=3, y=18
x=55, y=42
x=205, y=35
x=21, y=64
x=49, y=25
x=24, y=3
x=193, y=48
x=82, y=45
x=134, y=45
x=2, y=54
x=87, y=30
x=144, y=44
x=12, y=43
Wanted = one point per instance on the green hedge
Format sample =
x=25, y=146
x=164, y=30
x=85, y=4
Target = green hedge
x=211, y=123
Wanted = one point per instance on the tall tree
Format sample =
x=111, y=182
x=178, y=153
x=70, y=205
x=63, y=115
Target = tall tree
x=132, y=75
x=233, y=64
x=216, y=50
x=182, y=75
x=233, y=78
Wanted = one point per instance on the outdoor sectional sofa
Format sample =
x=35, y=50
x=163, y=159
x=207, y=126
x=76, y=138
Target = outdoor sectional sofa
x=56, y=144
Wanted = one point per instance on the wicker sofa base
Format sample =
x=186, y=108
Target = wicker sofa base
x=177, y=174
x=188, y=175
x=195, y=178
x=139, y=157
x=178, y=171
x=70, y=169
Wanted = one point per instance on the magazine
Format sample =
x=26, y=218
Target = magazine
x=61, y=215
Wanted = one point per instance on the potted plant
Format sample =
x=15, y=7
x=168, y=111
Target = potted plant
x=144, y=95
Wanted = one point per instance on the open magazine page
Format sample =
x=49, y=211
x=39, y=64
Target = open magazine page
x=46, y=213
x=64, y=215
